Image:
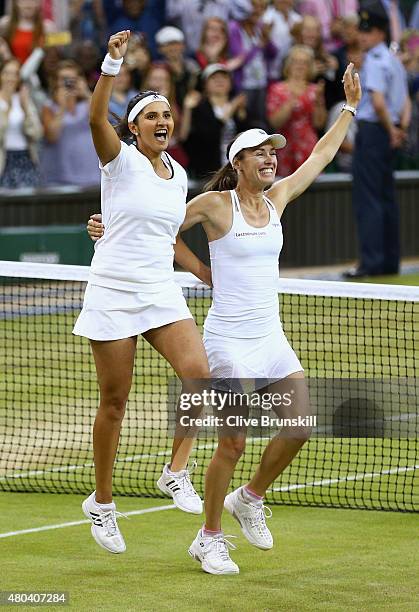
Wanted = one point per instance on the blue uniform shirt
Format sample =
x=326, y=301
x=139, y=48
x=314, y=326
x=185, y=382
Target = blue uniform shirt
x=383, y=72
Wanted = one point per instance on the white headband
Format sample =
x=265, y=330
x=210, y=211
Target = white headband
x=145, y=102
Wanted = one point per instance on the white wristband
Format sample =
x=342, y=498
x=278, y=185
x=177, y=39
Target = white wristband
x=111, y=66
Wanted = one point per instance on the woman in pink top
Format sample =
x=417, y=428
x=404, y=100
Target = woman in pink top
x=296, y=107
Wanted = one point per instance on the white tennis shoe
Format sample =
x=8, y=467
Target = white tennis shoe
x=178, y=486
x=212, y=553
x=104, y=527
x=252, y=518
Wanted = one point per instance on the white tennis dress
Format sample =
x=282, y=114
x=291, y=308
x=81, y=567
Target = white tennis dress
x=243, y=334
x=131, y=286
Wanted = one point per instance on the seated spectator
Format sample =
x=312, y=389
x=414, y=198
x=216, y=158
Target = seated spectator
x=20, y=131
x=171, y=46
x=283, y=18
x=137, y=59
x=159, y=78
x=250, y=43
x=68, y=156
x=329, y=15
x=308, y=33
x=122, y=93
x=296, y=108
x=145, y=16
x=190, y=15
x=213, y=47
x=24, y=29
x=211, y=121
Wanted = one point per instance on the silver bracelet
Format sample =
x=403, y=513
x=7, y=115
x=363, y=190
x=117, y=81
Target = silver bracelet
x=349, y=108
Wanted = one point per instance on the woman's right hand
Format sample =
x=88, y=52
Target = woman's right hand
x=118, y=44
x=95, y=227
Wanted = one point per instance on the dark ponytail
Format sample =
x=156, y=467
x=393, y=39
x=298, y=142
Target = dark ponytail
x=223, y=180
x=226, y=177
x=121, y=127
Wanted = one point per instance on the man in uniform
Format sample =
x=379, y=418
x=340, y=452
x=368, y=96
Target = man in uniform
x=382, y=120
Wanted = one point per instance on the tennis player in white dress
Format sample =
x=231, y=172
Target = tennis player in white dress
x=243, y=335
x=131, y=288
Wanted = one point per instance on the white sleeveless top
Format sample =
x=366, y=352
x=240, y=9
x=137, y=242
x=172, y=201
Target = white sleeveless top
x=142, y=214
x=245, y=276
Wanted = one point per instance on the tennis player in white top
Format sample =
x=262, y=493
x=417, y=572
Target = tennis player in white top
x=131, y=289
x=243, y=335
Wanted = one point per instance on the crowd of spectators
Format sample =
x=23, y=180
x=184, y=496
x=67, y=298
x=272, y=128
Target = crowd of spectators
x=225, y=66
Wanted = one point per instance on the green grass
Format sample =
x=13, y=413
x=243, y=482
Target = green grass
x=323, y=559
x=47, y=376
x=397, y=279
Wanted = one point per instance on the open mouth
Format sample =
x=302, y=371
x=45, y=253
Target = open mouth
x=161, y=135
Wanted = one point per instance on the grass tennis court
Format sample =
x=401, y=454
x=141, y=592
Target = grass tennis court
x=397, y=279
x=50, y=381
x=323, y=559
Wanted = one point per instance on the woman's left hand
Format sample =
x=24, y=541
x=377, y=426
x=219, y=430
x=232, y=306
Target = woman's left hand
x=352, y=86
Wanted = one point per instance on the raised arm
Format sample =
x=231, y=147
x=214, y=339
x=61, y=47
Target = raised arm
x=291, y=187
x=105, y=139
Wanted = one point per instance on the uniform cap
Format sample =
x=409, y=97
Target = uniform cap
x=373, y=15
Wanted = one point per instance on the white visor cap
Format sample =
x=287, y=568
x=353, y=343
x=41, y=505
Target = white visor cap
x=253, y=138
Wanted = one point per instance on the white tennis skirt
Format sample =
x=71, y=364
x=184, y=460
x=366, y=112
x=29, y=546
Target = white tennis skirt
x=270, y=357
x=111, y=314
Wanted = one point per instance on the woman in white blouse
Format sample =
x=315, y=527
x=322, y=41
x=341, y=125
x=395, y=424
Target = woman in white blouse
x=20, y=131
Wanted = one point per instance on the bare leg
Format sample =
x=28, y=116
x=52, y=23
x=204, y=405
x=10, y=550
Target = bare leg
x=282, y=449
x=181, y=345
x=114, y=365
x=276, y=457
x=218, y=477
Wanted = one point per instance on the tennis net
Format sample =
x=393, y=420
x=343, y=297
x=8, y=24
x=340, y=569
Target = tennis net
x=340, y=331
